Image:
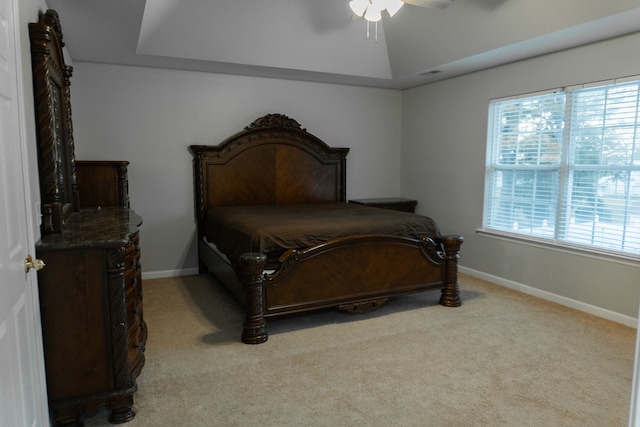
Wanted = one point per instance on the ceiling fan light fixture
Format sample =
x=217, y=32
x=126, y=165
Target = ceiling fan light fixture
x=373, y=13
x=372, y=10
x=359, y=6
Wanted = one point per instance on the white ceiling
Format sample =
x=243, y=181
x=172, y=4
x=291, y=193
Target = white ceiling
x=317, y=40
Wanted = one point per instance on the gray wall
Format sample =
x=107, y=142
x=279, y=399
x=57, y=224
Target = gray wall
x=443, y=157
x=150, y=116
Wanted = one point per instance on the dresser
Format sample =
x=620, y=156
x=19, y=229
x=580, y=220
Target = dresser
x=93, y=326
x=102, y=183
x=89, y=280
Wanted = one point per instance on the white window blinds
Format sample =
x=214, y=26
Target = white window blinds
x=565, y=166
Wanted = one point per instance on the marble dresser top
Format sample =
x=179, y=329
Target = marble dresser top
x=95, y=227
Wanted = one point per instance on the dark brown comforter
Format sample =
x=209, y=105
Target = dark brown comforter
x=273, y=229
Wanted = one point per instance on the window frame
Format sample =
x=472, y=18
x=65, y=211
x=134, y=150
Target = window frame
x=564, y=168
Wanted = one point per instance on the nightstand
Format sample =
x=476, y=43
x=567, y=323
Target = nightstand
x=395, y=203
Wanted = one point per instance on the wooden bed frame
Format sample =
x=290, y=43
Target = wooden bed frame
x=275, y=161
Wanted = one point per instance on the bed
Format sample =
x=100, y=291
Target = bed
x=274, y=226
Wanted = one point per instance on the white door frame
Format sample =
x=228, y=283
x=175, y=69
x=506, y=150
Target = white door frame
x=22, y=375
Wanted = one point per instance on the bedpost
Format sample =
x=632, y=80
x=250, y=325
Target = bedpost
x=198, y=181
x=451, y=293
x=254, y=329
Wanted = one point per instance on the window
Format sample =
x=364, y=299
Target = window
x=564, y=166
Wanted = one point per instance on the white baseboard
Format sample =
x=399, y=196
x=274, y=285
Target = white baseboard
x=567, y=302
x=169, y=273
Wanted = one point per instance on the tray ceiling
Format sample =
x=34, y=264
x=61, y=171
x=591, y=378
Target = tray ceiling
x=319, y=41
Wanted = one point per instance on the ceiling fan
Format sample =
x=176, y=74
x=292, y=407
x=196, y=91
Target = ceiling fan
x=371, y=10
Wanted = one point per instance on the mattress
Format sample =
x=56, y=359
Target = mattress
x=273, y=229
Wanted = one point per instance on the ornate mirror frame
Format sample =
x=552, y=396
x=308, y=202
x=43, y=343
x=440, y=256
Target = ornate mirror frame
x=54, y=130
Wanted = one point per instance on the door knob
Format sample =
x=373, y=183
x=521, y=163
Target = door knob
x=36, y=264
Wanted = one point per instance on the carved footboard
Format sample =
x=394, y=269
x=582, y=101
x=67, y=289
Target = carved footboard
x=351, y=270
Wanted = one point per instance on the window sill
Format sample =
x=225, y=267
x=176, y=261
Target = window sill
x=597, y=253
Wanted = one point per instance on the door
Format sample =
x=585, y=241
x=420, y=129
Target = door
x=23, y=399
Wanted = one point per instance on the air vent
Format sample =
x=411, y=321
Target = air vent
x=430, y=73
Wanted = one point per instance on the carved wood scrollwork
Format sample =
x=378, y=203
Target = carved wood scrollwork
x=116, y=265
x=123, y=186
x=362, y=307
x=54, y=129
x=274, y=120
x=433, y=249
x=254, y=325
x=451, y=292
x=200, y=206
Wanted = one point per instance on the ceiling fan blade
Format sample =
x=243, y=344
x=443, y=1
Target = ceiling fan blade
x=438, y=4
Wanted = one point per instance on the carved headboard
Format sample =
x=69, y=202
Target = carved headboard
x=54, y=130
x=272, y=161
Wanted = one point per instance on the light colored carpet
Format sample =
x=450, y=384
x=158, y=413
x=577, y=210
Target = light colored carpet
x=502, y=359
